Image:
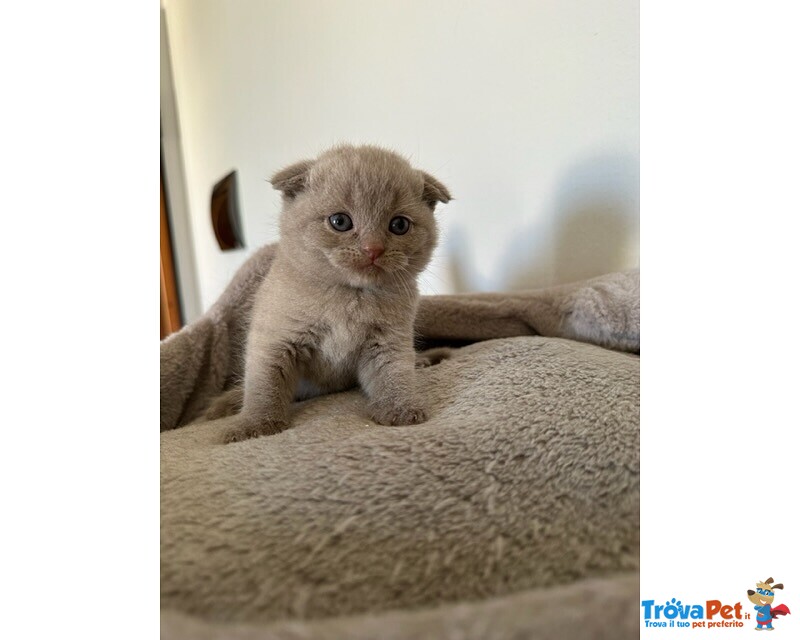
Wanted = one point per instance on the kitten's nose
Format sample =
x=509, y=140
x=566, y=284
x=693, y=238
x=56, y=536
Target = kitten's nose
x=373, y=250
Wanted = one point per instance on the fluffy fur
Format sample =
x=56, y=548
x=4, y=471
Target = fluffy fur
x=338, y=305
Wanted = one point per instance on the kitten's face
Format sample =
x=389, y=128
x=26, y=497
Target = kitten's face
x=359, y=216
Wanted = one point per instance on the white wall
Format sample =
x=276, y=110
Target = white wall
x=528, y=111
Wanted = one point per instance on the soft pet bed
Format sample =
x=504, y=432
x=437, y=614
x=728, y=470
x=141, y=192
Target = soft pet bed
x=512, y=512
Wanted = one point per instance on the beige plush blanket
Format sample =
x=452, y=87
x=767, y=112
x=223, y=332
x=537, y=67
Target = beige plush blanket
x=512, y=512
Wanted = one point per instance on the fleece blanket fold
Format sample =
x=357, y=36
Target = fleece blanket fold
x=512, y=512
x=205, y=357
x=600, y=609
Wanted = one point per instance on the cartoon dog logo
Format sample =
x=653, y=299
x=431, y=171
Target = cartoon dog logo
x=762, y=597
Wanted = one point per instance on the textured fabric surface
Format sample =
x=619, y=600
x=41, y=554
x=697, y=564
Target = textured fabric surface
x=512, y=512
x=525, y=475
x=600, y=609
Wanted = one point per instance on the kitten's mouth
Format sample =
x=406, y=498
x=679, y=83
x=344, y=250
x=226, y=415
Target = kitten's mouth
x=364, y=269
x=371, y=274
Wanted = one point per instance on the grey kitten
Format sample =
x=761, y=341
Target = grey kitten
x=337, y=307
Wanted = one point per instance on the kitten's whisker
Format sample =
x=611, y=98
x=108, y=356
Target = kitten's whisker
x=425, y=279
x=404, y=284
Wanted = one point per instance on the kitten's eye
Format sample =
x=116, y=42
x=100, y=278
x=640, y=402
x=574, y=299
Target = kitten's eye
x=341, y=222
x=399, y=225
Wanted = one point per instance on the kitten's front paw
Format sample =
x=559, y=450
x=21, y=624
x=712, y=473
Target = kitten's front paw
x=396, y=416
x=244, y=429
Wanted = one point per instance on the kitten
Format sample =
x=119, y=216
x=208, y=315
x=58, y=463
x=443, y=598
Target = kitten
x=338, y=304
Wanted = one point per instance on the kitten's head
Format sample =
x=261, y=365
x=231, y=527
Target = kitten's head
x=360, y=216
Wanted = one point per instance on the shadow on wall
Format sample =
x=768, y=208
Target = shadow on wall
x=591, y=228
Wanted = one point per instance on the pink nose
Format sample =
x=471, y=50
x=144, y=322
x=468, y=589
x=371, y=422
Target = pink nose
x=374, y=251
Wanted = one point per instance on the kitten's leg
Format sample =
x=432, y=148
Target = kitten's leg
x=227, y=404
x=269, y=386
x=387, y=375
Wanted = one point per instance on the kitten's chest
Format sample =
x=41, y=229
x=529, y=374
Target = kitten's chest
x=340, y=345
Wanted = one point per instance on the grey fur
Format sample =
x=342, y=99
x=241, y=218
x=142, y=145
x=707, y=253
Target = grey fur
x=205, y=358
x=330, y=314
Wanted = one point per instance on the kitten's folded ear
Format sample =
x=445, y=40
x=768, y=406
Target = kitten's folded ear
x=433, y=191
x=292, y=180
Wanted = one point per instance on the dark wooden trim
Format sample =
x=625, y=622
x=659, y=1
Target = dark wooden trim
x=170, y=306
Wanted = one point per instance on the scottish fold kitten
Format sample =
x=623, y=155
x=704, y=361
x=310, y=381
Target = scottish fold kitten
x=337, y=307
